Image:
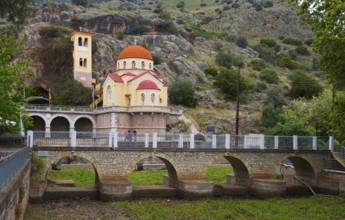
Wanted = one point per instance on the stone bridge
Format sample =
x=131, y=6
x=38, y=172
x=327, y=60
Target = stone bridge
x=256, y=170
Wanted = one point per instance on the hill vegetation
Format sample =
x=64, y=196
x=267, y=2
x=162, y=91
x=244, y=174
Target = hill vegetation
x=201, y=41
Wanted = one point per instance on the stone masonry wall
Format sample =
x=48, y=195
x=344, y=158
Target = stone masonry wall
x=15, y=194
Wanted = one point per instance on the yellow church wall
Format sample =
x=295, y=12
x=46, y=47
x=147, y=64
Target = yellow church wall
x=136, y=101
x=138, y=61
x=116, y=97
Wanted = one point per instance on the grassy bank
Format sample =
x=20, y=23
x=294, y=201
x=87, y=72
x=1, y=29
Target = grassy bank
x=86, y=178
x=316, y=207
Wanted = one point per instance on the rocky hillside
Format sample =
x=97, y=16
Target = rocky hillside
x=185, y=37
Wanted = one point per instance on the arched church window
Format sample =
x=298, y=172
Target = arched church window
x=124, y=64
x=80, y=41
x=150, y=66
x=109, y=93
x=85, y=63
x=133, y=64
x=142, y=65
x=142, y=98
x=85, y=42
x=153, y=98
x=81, y=62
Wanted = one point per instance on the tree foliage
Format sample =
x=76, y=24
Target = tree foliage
x=16, y=10
x=13, y=73
x=224, y=59
x=327, y=19
x=57, y=67
x=303, y=85
x=226, y=81
x=308, y=118
x=182, y=93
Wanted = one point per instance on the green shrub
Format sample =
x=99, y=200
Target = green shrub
x=230, y=38
x=284, y=61
x=257, y=64
x=260, y=86
x=308, y=42
x=180, y=5
x=266, y=53
x=226, y=7
x=182, y=93
x=80, y=2
x=268, y=42
x=139, y=30
x=292, y=41
x=271, y=116
x=63, y=7
x=275, y=97
x=120, y=35
x=157, y=58
x=305, y=86
x=167, y=28
x=224, y=59
x=242, y=42
x=235, y=5
x=267, y=4
x=269, y=76
x=164, y=15
x=226, y=81
x=257, y=6
x=211, y=70
x=302, y=50
x=293, y=54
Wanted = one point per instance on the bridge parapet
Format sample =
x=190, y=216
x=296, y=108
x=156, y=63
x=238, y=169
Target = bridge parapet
x=189, y=141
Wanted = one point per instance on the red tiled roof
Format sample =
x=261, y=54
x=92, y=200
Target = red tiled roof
x=127, y=74
x=135, y=51
x=153, y=74
x=115, y=77
x=147, y=84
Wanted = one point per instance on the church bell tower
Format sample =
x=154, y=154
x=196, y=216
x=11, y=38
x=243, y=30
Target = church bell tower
x=82, y=57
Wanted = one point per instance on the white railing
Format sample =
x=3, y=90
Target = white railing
x=211, y=141
x=129, y=109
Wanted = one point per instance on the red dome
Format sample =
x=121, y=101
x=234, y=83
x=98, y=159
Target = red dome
x=147, y=84
x=135, y=51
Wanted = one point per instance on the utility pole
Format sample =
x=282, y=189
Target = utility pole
x=238, y=100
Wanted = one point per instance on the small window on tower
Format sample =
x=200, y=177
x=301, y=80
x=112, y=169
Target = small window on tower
x=142, y=65
x=124, y=64
x=85, y=42
x=133, y=64
x=150, y=66
x=85, y=63
x=81, y=62
x=80, y=41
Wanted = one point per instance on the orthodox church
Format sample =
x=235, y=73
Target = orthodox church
x=134, y=96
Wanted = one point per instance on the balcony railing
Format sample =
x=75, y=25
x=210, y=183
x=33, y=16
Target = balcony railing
x=223, y=141
x=81, y=109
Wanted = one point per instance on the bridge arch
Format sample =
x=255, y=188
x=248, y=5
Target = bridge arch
x=303, y=166
x=174, y=171
x=65, y=126
x=58, y=157
x=40, y=121
x=239, y=167
x=82, y=123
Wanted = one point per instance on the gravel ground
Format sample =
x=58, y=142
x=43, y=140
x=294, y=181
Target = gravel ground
x=74, y=210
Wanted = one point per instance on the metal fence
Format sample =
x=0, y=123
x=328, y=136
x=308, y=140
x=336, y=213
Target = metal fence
x=11, y=164
x=223, y=141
